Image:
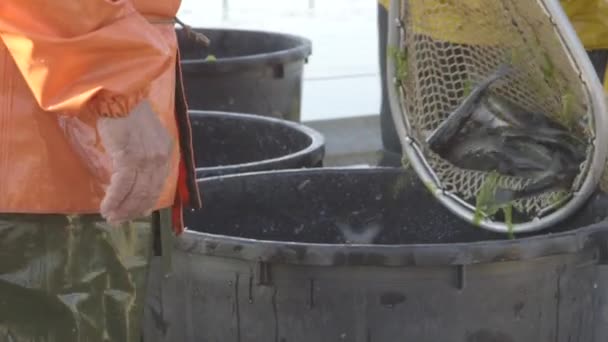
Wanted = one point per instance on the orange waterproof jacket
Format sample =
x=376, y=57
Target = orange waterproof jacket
x=84, y=58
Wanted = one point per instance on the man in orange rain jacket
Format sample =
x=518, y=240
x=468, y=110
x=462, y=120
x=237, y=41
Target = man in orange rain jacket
x=94, y=137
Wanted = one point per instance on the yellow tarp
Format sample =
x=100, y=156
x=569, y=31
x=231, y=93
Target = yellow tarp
x=589, y=17
x=444, y=20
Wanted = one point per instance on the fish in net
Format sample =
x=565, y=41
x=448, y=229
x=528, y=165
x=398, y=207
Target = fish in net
x=498, y=108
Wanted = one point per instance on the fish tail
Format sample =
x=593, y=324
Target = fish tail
x=502, y=71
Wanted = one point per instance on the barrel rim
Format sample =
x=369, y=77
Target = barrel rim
x=315, y=149
x=301, y=52
x=437, y=254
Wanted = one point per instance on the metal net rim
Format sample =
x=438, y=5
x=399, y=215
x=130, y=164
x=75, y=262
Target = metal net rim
x=596, y=160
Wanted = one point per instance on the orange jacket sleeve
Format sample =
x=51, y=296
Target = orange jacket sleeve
x=83, y=55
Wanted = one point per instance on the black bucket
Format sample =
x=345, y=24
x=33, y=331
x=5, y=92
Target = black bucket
x=228, y=143
x=253, y=72
x=268, y=259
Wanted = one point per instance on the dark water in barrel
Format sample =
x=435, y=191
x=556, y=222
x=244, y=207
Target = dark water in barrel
x=341, y=207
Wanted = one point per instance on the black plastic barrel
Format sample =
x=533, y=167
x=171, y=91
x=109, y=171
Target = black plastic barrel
x=368, y=255
x=252, y=72
x=227, y=143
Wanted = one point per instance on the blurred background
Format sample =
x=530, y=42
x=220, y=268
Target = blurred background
x=344, y=62
x=341, y=94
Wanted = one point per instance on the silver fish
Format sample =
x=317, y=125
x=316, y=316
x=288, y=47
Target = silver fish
x=557, y=178
x=563, y=141
x=488, y=132
x=488, y=150
x=452, y=125
x=360, y=228
x=365, y=235
x=515, y=115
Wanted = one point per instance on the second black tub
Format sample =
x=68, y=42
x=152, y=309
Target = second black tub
x=228, y=143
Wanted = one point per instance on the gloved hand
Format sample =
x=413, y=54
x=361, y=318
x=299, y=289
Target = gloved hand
x=136, y=163
x=139, y=147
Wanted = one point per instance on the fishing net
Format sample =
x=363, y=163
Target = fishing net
x=441, y=51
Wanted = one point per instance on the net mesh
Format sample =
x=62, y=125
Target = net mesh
x=447, y=46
